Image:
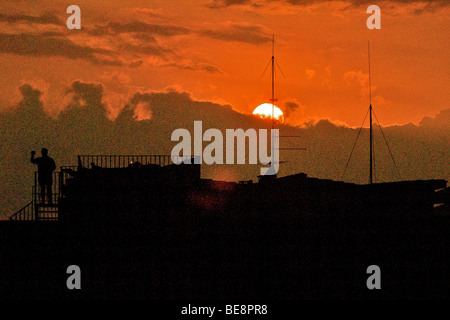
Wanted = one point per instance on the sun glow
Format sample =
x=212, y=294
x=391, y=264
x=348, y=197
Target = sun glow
x=265, y=111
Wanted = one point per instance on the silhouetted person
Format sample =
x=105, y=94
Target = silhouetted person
x=46, y=166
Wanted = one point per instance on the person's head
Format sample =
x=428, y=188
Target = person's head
x=44, y=152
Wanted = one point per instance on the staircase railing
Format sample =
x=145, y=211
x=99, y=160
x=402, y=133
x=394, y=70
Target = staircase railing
x=24, y=214
x=36, y=209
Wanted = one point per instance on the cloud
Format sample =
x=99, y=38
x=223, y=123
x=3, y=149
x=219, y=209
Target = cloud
x=54, y=44
x=140, y=39
x=442, y=119
x=325, y=124
x=87, y=95
x=418, y=6
x=144, y=37
x=290, y=107
x=119, y=44
x=46, y=18
x=440, y=3
x=30, y=103
x=252, y=34
x=147, y=50
x=136, y=63
x=431, y=6
x=115, y=79
x=140, y=28
x=201, y=66
x=189, y=65
x=226, y=3
x=27, y=44
x=148, y=12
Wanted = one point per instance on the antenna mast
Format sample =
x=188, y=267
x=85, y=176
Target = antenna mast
x=273, y=82
x=273, y=100
x=273, y=96
x=370, y=111
x=370, y=119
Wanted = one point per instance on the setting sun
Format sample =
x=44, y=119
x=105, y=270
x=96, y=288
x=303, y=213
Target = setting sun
x=265, y=111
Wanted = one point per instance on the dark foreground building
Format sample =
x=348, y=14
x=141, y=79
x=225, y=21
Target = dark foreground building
x=148, y=229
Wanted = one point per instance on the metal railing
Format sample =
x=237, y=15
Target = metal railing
x=59, y=179
x=24, y=214
x=46, y=212
x=63, y=175
x=123, y=161
x=40, y=209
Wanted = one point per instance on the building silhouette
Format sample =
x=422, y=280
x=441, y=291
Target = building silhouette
x=143, y=227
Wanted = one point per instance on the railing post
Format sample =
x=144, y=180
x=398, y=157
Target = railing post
x=36, y=212
x=36, y=191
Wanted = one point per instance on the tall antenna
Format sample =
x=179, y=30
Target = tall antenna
x=273, y=99
x=370, y=84
x=372, y=153
x=273, y=82
x=370, y=119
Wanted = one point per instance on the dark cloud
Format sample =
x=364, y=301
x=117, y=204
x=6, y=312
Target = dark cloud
x=290, y=107
x=46, y=18
x=30, y=98
x=51, y=44
x=140, y=29
x=87, y=95
x=195, y=67
x=239, y=33
x=145, y=37
x=429, y=6
x=84, y=124
x=442, y=119
x=148, y=49
x=144, y=33
x=364, y=2
x=143, y=42
x=226, y=3
x=27, y=44
x=135, y=64
x=432, y=6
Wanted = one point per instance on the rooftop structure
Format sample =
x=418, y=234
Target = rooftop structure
x=132, y=186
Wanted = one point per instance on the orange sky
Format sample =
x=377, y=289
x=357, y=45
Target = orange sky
x=217, y=52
